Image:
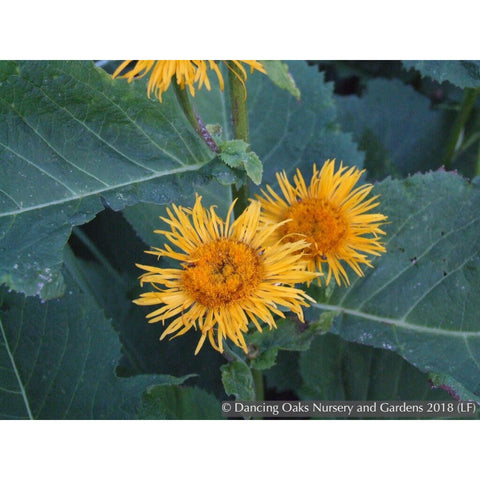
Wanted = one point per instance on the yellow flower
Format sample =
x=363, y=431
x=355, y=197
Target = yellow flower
x=186, y=73
x=226, y=279
x=331, y=215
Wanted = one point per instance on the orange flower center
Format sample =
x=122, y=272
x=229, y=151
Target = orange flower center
x=319, y=222
x=221, y=272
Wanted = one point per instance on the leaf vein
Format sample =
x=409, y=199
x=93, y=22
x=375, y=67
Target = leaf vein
x=37, y=354
x=14, y=217
x=92, y=193
x=60, y=360
x=11, y=198
x=390, y=238
x=140, y=129
x=82, y=371
x=16, y=372
x=33, y=164
x=57, y=153
x=7, y=390
x=398, y=323
x=95, y=134
x=419, y=257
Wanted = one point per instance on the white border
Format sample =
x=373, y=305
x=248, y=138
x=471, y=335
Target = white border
x=303, y=29
x=238, y=449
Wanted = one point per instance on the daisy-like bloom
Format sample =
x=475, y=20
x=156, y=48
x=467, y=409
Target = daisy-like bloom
x=227, y=277
x=331, y=215
x=186, y=72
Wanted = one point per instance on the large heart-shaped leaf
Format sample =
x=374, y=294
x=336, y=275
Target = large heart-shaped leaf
x=58, y=360
x=70, y=138
x=421, y=299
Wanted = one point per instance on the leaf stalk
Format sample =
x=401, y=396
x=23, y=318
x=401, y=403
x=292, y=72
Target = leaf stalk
x=468, y=101
x=193, y=118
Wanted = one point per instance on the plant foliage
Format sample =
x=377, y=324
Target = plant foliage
x=88, y=164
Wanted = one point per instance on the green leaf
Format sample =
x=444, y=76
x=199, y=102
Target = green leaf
x=233, y=152
x=397, y=128
x=72, y=138
x=236, y=155
x=285, y=374
x=321, y=370
x=253, y=167
x=238, y=380
x=421, y=299
x=225, y=176
x=162, y=402
x=462, y=73
x=278, y=73
x=290, y=334
x=333, y=369
x=264, y=360
x=58, y=360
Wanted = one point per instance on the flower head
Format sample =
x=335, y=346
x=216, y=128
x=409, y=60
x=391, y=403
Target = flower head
x=186, y=73
x=227, y=277
x=331, y=215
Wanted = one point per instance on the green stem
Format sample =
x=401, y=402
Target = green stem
x=259, y=386
x=477, y=164
x=241, y=194
x=468, y=101
x=193, y=118
x=238, y=105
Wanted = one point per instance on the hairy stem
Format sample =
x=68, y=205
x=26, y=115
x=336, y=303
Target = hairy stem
x=238, y=105
x=193, y=118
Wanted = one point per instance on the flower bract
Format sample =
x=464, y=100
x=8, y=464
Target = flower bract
x=331, y=214
x=186, y=73
x=227, y=278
